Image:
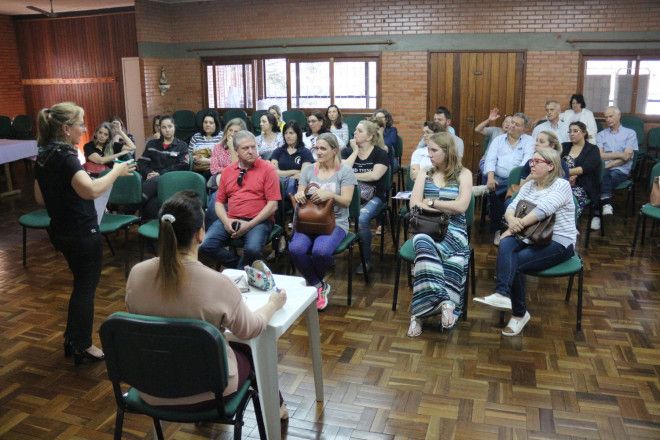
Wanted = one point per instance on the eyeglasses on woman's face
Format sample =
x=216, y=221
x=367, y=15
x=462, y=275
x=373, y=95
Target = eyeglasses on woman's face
x=535, y=161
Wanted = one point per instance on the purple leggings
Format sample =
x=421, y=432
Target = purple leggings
x=322, y=247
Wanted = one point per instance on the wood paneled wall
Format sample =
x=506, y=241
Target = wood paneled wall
x=76, y=59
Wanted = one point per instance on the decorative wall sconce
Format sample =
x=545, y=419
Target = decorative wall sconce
x=163, y=85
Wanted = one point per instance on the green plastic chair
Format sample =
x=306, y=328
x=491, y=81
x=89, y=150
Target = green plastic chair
x=295, y=115
x=232, y=113
x=352, y=121
x=168, y=185
x=127, y=190
x=184, y=121
x=22, y=127
x=5, y=127
x=569, y=268
x=256, y=121
x=407, y=254
x=172, y=358
x=38, y=219
x=635, y=123
x=647, y=210
x=654, y=140
x=348, y=242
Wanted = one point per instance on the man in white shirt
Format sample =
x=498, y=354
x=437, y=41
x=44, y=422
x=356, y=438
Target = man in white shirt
x=553, y=123
x=507, y=151
x=420, y=159
x=442, y=117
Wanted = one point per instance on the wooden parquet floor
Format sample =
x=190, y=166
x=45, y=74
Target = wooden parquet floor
x=469, y=383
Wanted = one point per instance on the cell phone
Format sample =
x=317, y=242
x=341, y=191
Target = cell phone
x=236, y=225
x=122, y=161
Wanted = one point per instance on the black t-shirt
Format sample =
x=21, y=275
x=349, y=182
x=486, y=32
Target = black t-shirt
x=295, y=161
x=377, y=156
x=89, y=148
x=70, y=215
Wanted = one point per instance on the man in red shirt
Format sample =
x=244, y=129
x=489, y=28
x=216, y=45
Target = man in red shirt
x=250, y=188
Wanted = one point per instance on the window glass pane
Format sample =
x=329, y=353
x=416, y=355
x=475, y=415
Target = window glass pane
x=275, y=83
x=648, y=91
x=210, y=101
x=314, y=85
x=608, y=82
x=249, y=99
x=350, y=84
x=294, y=86
x=230, y=86
x=373, y=85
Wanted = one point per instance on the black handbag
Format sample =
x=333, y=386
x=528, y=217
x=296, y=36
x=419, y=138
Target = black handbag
x=434, y=224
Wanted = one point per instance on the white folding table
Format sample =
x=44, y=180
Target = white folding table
x=12, y=150
x=300, y=298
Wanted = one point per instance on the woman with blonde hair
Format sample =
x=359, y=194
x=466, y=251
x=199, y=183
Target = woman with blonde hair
x=440, y=270
x=68, y=193
x=369, y=161
x=175, y=284
x=100, y=152
x=331, y=180
x=552, y=195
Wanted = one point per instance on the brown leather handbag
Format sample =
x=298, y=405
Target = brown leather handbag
x=538, y=234
x=314, y=218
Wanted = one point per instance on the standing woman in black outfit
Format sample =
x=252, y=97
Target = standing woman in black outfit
x=68, y=193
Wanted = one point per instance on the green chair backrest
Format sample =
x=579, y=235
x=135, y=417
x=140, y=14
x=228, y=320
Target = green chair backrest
x=409, y=182
x=232, y=113
x=654, y=138
x=256, y=118
x=127, y=190
x=295, y=115
x=655, y=171
x=175, y=181
x=635, y=123
x=184, y=120
x=398, y=148
x=164, y=357
x=354, y=207
x=599, y=127
x=352, y=121
x=5, y=127
x=469, y=214
x=514, y=176
x=22, y=127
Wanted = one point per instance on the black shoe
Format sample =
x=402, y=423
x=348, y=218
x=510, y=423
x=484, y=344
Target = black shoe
x=68, y=348
x=83, y=356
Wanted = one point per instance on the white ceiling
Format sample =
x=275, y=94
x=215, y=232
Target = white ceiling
x=18, y=7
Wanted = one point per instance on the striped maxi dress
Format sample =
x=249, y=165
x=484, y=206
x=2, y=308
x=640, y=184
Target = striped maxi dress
x=440, y=268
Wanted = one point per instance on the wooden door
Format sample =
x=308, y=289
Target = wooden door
x=470, y=84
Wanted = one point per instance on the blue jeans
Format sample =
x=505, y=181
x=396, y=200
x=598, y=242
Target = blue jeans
x=210, y=216
x=322, y=247
x=611, y=179
x=367, y=212
x=217, y=239
x=514, y=258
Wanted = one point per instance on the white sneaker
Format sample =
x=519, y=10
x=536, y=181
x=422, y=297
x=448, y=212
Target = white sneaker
x=516, y=325
x=607, y=209
x=595, y=223
x=496, y=239
x=495, y=300
x=479, y=190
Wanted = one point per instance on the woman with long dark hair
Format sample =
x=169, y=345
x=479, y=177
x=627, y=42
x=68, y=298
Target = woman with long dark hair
x=68, y=193
x=175, y=284
x=583, y=161
x=337, y=126
x=202, y=143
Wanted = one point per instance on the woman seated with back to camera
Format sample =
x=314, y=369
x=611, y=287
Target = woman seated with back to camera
x=552, y=195
x=337, y=182
x=440, y=269
x=176, y=285
x=583, y=161
x=291, y=158
x=202, y=143
x=222, y=156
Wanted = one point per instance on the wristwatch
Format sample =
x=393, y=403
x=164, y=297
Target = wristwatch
x=431, y=202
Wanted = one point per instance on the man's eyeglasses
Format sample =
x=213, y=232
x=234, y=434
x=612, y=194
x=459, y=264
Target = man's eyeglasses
x=241, y=175
x=533, y=162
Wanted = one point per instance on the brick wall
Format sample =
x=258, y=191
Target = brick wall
x=12, y=101
x=207, y=21
x=405, y=95
x=185, y=91
x=549, y=75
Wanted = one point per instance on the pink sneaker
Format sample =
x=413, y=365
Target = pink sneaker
x=323, y=293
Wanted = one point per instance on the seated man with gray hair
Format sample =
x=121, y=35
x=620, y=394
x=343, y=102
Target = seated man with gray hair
x=617, y=145
x=251, y=189
x=553, y=122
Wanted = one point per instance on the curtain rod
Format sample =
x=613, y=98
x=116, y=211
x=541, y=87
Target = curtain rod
x=285, y=46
